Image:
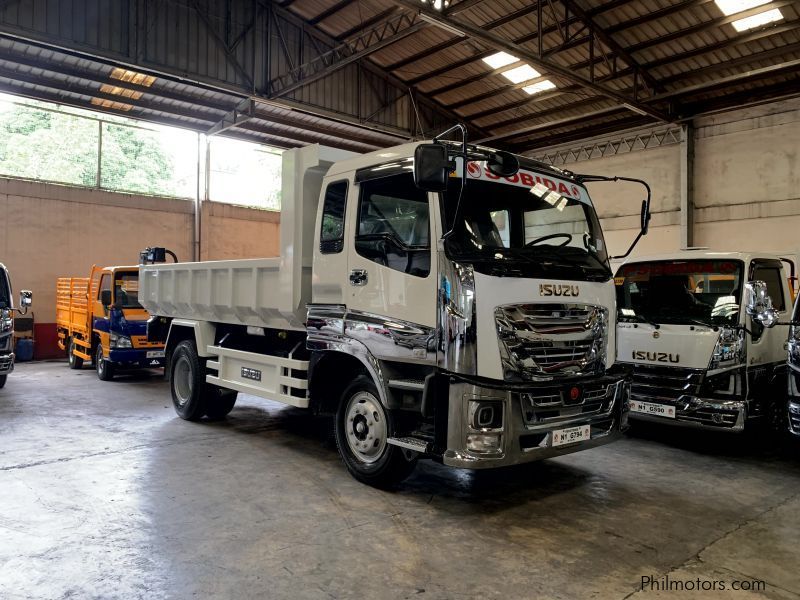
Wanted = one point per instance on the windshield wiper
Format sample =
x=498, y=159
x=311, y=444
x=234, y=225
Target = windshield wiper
x=704, y=324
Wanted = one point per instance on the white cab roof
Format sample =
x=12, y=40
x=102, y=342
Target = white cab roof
x=702, y=255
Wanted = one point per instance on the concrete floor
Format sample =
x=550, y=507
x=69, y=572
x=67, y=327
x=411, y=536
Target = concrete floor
x=105, y=493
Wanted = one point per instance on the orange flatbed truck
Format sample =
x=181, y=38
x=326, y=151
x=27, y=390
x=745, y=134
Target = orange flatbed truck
x=99, y=319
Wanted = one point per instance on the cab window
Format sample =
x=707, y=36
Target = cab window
x=105, y=284
x=771, y=275
x=126, y=290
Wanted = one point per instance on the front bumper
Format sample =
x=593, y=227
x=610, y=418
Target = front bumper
x=701, y=413
x=133, y=358
x=6, y=363
x=531, y=415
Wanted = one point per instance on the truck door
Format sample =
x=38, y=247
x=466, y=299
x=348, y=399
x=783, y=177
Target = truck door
x=766, y=345
x=391, y=272
x=100, y=313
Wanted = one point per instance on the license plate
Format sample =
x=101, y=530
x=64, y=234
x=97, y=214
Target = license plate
x=650, y=408
x=155, y=354
x=562, y=437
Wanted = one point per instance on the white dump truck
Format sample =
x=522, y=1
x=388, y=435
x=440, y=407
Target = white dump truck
x=442, y=300
x=7, y=311
x=698, y=328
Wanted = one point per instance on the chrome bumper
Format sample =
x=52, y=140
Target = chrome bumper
x=700, y=413
x=6, y=363
x=523, y=440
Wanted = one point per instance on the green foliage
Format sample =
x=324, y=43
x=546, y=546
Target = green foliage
x=133, y=160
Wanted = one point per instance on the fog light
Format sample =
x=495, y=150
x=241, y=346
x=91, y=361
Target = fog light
x=485, y=443
x=485, y=415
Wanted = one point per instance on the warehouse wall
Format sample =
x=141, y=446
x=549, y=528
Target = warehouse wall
x=48, y=231
x=746, y=181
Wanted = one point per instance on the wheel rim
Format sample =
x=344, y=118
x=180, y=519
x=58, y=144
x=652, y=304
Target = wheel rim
x=182, y=381
x=71, y=357
x=101, y=364
x=365, y=427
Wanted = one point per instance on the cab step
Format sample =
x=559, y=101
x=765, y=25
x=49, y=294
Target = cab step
x=411, y=443
x=409, y=385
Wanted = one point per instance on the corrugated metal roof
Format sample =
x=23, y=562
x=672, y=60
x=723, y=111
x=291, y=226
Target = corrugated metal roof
x=672, y=58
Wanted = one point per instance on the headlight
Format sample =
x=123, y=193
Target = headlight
x=729, y=351
x=794, y=344
x=6, y=322
x=119, y=341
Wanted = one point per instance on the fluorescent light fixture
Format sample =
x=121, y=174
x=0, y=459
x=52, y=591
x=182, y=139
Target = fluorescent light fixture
x=520, y=74
x=500, y=60
x=120, y=91
x=542, y=86
x=731, y=7
x=132, y=77
x=103, y=103
x=769, y=16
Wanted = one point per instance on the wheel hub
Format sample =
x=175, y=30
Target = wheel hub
x=366, y=427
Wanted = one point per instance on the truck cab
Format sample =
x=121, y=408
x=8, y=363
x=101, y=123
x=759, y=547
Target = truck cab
x=99, y=318
x=698, y=330
x=793, y=370
x=7, y=311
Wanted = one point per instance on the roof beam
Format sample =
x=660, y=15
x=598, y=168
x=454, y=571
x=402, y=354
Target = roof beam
x=371, y=22
x=522, y=53
x=329, y=12
x=462, y=6
x=582, y=133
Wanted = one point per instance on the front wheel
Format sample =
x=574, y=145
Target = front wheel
x=3, y=380
x=362, y=428
x=105, y=368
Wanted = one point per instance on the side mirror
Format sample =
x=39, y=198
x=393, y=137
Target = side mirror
x=25, y=299
x=758, y=304
x=503, y=164
x=105, y=298
x=645, y=217
x=432, y=167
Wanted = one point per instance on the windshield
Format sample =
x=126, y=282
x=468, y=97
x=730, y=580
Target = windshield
x=528, y=225
x=5, y=292
x=685, y=292
x=126, y=289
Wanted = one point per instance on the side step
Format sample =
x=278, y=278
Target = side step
x=409, y=385
x=411, y=443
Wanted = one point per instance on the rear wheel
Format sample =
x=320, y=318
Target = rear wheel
x=104, y=368
x=3, y=380
x=75, y=362
x=187, y=382
x=362, y=428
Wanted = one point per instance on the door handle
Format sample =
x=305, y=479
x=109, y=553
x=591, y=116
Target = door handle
x=358, y=277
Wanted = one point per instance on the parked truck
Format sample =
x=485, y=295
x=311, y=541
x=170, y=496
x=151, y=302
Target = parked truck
x=441, y=300
x=793, y=369
x=99, y=318
x=7, y=311
x=698, y=329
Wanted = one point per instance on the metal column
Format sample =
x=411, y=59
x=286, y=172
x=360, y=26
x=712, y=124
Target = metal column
x=687, y=186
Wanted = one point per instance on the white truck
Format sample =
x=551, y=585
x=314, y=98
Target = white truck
x=460, y=314
x=698, y=328
x=7, y=311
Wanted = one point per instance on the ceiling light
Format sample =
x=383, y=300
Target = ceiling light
x=103, y=103
x=731, y=7
x=120, y=91
x=132, y=77
x=769, y=16
x=542, y=86
x=500, y=60
x=437, y=4
x=520, y=74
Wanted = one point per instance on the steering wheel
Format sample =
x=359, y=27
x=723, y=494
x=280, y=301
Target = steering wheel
x=544, y=238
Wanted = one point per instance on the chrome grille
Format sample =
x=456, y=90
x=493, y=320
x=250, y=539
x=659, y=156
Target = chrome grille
x=794, y=414
x=545, y=341
x=676, y=386
x=553, y=405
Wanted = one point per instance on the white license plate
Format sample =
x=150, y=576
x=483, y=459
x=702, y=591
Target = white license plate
x=650, y=408
x=562, y=437
x=155, y=354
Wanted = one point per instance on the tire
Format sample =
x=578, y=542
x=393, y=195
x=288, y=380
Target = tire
x=187, y=382
x=3, y=379
x=75, y=362
x=219, y=402
x=361, y=428
x=104, y=368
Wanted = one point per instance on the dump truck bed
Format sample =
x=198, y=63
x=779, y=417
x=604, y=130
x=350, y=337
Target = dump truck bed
x=263, y=292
